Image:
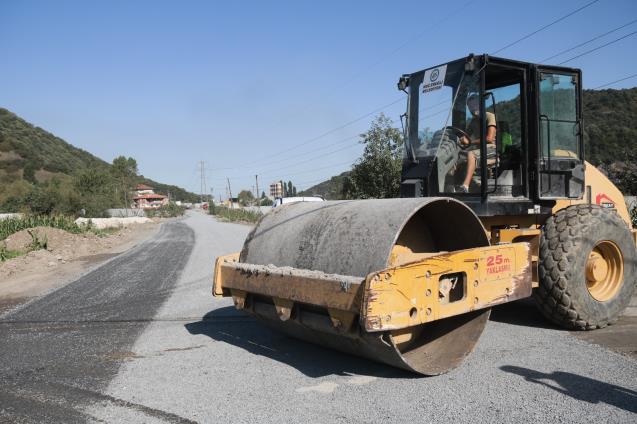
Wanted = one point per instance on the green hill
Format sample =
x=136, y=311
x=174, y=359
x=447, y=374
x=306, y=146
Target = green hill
x=31, y=155
x=331, y=189
x=29, y=152
x=610, y=124
x=610, y=137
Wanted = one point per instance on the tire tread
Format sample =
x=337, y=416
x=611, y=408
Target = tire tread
x=558, y=297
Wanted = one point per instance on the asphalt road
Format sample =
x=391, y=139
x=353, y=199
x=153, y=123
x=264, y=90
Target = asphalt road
x=60, y=352
x=142, y=340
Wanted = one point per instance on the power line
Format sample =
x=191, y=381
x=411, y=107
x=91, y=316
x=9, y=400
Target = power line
x=360, y=118
x=312, y=159
x=400, y=99
x=323, y=179
x=318, y=137
x=589, y=41
x=276, y=170
x=614, y=82
x=410, y=40
x=243, y=166
x=599, y=47
x=273, y=171
x=545, y=26
x=349, y=162
x=354, y=137
x=285, y=159
x=313, y=182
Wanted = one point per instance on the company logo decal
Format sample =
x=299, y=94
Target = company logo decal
x=434, y=79
x=604, y=201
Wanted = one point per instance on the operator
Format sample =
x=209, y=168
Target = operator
x=473, y=143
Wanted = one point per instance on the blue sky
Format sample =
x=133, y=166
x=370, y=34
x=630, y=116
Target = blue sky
x=247, y=85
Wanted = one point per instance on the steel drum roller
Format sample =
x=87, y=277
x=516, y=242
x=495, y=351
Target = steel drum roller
x=357, y=238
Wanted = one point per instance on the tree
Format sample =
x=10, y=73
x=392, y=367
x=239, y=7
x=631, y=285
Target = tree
x=289, y=190
x=245, y=197
x=95, y=191
x=124, y=172
x=377, y=173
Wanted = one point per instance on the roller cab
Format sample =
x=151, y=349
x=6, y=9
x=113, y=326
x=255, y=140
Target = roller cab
x=408, y=282
x=506, y=138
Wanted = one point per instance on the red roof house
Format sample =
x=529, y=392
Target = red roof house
x=146, y=198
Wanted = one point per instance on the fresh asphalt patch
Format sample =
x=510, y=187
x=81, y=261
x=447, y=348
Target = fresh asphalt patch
x=59, y=352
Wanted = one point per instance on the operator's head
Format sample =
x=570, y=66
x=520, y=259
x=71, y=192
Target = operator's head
x=473, y=103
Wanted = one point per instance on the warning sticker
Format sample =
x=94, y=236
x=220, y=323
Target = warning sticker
x=434, y=78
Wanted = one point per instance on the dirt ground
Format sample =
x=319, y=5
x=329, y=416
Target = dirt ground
x=67, y=257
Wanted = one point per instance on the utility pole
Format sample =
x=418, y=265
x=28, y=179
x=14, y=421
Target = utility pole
x=201, y=168
x=230, y=191
x=256, y=179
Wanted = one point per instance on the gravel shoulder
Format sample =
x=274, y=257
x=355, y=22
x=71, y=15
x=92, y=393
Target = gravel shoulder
x=201, y=360
x=68, y=257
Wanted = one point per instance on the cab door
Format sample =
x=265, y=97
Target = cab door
x=560, y=164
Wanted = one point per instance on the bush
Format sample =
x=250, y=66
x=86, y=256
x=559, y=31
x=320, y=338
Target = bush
x=53, y=197
x=234, y=215
x=169, y=211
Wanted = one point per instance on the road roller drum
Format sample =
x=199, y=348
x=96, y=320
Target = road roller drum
x=407, y=282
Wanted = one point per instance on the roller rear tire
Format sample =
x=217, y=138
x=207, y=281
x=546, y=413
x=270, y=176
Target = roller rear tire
x=587, y=267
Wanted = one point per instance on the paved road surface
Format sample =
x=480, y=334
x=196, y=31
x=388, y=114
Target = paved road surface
x=142, y=340
x=59, y=353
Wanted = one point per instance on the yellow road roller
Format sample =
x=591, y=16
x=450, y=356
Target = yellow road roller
x=497, y=204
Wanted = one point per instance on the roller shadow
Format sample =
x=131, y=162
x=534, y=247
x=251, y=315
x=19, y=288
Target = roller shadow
x=523, y=313
x=230, y=326
x=579, y=387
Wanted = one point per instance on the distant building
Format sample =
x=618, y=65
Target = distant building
x=141, y=189
x=146, y=198
x=276, y=189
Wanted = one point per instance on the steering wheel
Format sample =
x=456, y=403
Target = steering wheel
x=460, y=132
